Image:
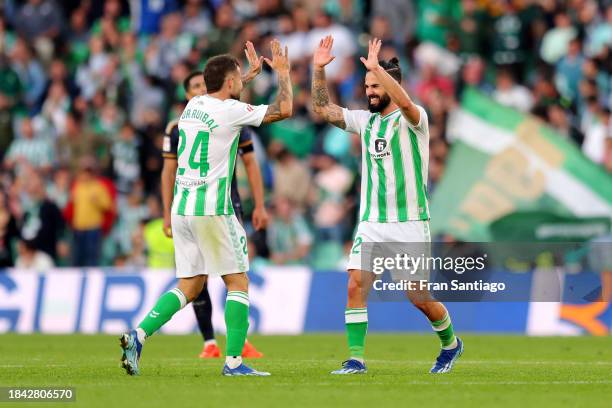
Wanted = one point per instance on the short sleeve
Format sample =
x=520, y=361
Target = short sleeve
x=244, y=114
x=356, y=120
x=170, y=145
x=423, y=125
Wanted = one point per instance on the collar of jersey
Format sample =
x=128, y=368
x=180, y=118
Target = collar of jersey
x=389, y=114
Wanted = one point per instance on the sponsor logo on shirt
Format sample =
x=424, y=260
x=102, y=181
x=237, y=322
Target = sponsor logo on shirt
x=189, y=183
x=381, y=150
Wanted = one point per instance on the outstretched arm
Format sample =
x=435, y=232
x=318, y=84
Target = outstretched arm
x=321, y=105
x=397, y=94
x=282, y=107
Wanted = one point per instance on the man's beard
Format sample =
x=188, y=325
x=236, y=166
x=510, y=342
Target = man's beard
x=383, y=102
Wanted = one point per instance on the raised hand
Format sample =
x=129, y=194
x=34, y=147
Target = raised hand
x=255, y=62
x=322, y=55
x=373, y=49
x=280, y=61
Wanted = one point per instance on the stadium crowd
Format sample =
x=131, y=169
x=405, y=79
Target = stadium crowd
x=87, y=87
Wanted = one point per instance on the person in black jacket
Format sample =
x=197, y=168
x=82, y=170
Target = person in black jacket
x=42, y=221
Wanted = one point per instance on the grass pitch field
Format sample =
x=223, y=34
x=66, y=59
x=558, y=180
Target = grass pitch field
x=494, y=371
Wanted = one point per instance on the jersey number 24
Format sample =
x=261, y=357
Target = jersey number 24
x=200, y=144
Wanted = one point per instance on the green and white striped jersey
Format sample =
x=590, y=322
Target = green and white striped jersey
x=394, y=163
x=208, y=142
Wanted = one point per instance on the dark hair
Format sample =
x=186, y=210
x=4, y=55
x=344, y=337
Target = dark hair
x=188, y=79
x=393, y=68
x=217, y=69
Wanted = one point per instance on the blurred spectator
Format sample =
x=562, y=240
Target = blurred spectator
x=293, y=30
x=292, y=178
x=132, y=210
x=137, y=257
x=509, y=93
x=169, y=47
x=30, y=72
x=289, y=238
x=595, y=138
x=221, y=37
x=473, y=74
x=10, y=92
x=8, y=232
x=77, y=142
x=55, y=107
x=569, y=71
x=344, y=43
x=561, y=122
x=58, y=190
x=39, y=18
x=196, y=20
x=608, y=155
x=432, y=82
x=400, y=16
x=435, y=18
x=555, y=42
x=160, y=249
x=30, y=148
x=29, y=257
x=91, y=200
x=112, y=24
x=331, y=183
x=147, y=14
x=508, y=40
x=601, y=36
x=126, y=160
x=42, y=224
x=471, y=29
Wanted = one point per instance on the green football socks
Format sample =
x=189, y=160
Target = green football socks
x=356, y=329
x=444, y=330
x=167, y=305
x=236, y=321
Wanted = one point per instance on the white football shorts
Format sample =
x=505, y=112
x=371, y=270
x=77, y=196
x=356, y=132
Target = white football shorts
x=409, y=237
x=213, y=245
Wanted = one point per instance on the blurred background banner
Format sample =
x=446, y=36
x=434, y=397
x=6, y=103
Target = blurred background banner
x=284, y=300
x=504, y=162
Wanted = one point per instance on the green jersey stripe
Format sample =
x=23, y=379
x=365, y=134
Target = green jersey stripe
x=183, y=202
x=418, y=177
x=221, y=193
x=382, y=179
x=366, y=213
x=230, y=174
x=398, y=170
x=200, y=200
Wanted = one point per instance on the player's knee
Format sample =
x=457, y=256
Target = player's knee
x=237, y=282
x=421, y=300
x=191, y=287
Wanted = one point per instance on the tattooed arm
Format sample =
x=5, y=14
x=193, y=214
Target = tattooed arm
x=321, y=105
x=282, y=107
